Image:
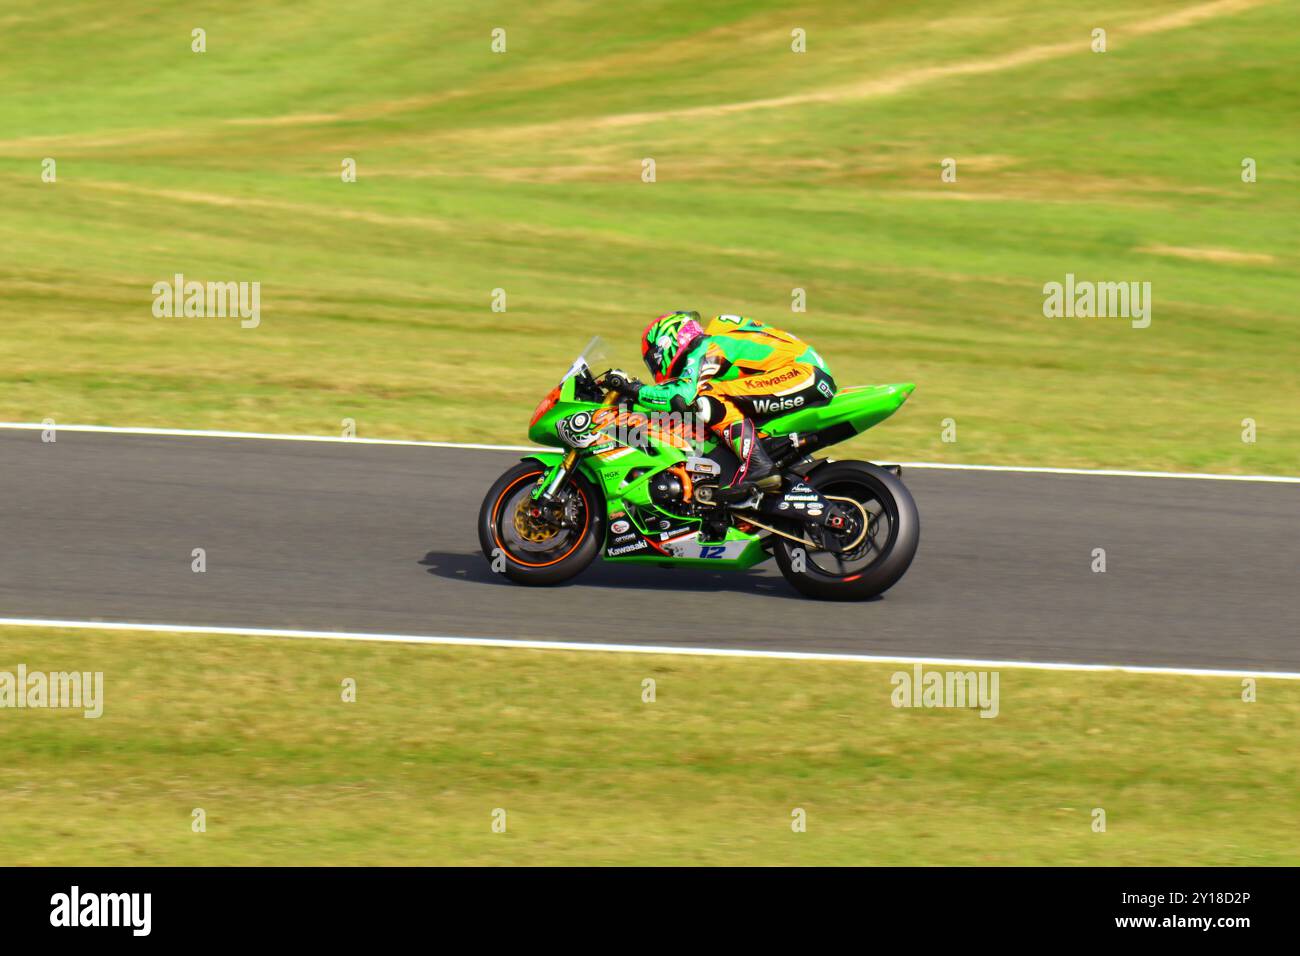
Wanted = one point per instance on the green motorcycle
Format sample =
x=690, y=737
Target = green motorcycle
x=640, y=487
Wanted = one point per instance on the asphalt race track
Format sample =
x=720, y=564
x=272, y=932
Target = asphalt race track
x=355, y=537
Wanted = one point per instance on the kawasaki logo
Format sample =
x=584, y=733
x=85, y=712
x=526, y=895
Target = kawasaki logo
x=766, y=405
x=776, y=380
x=628, y=549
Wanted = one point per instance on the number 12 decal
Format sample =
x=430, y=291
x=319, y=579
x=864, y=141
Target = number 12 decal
x=712, y=551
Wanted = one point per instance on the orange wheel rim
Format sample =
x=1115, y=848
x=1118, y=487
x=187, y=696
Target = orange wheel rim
x=496, y=511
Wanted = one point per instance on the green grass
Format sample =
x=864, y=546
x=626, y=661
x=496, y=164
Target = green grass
x=480, y=171
x=255, y=733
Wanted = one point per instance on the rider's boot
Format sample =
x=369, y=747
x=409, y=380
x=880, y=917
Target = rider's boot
x=757, y=470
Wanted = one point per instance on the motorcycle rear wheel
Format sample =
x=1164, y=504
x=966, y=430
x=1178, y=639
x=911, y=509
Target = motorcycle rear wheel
x=882, y=557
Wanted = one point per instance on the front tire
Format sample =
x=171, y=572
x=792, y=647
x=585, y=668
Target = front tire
x=529, y=551
x=875, y=565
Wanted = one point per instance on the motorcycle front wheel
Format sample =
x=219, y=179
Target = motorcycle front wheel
x=883, y=541
x=526, y=547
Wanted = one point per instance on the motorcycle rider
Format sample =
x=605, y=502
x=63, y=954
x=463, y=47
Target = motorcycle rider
x=735, y=374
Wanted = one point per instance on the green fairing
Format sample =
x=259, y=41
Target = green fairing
x=860, y=407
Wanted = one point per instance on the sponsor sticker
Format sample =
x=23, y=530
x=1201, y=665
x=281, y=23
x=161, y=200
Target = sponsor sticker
x=778, y=379
x=765, y=406
x=627, y=549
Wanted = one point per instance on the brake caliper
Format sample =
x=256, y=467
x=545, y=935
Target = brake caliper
x=531, y=523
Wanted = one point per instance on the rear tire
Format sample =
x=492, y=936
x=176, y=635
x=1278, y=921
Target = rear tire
x=887, y=551
x=538, y=555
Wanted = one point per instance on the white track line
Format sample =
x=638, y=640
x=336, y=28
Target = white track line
x=631, y=648
x=269, y=436
x=1111, y=472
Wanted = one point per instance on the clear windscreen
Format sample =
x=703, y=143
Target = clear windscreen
x=589, y=357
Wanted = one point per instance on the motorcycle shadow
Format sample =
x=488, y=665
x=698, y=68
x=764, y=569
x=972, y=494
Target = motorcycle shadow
x=601, y=574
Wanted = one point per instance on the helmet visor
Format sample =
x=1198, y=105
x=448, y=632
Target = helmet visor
x=654, y=361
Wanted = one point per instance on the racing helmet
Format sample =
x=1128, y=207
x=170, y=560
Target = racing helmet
x=667, y=341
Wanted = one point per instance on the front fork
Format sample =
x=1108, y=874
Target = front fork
x=556, y=478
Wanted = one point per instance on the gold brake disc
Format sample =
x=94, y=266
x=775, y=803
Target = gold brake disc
x=535, y=530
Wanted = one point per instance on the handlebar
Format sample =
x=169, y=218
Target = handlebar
x=619, y=384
